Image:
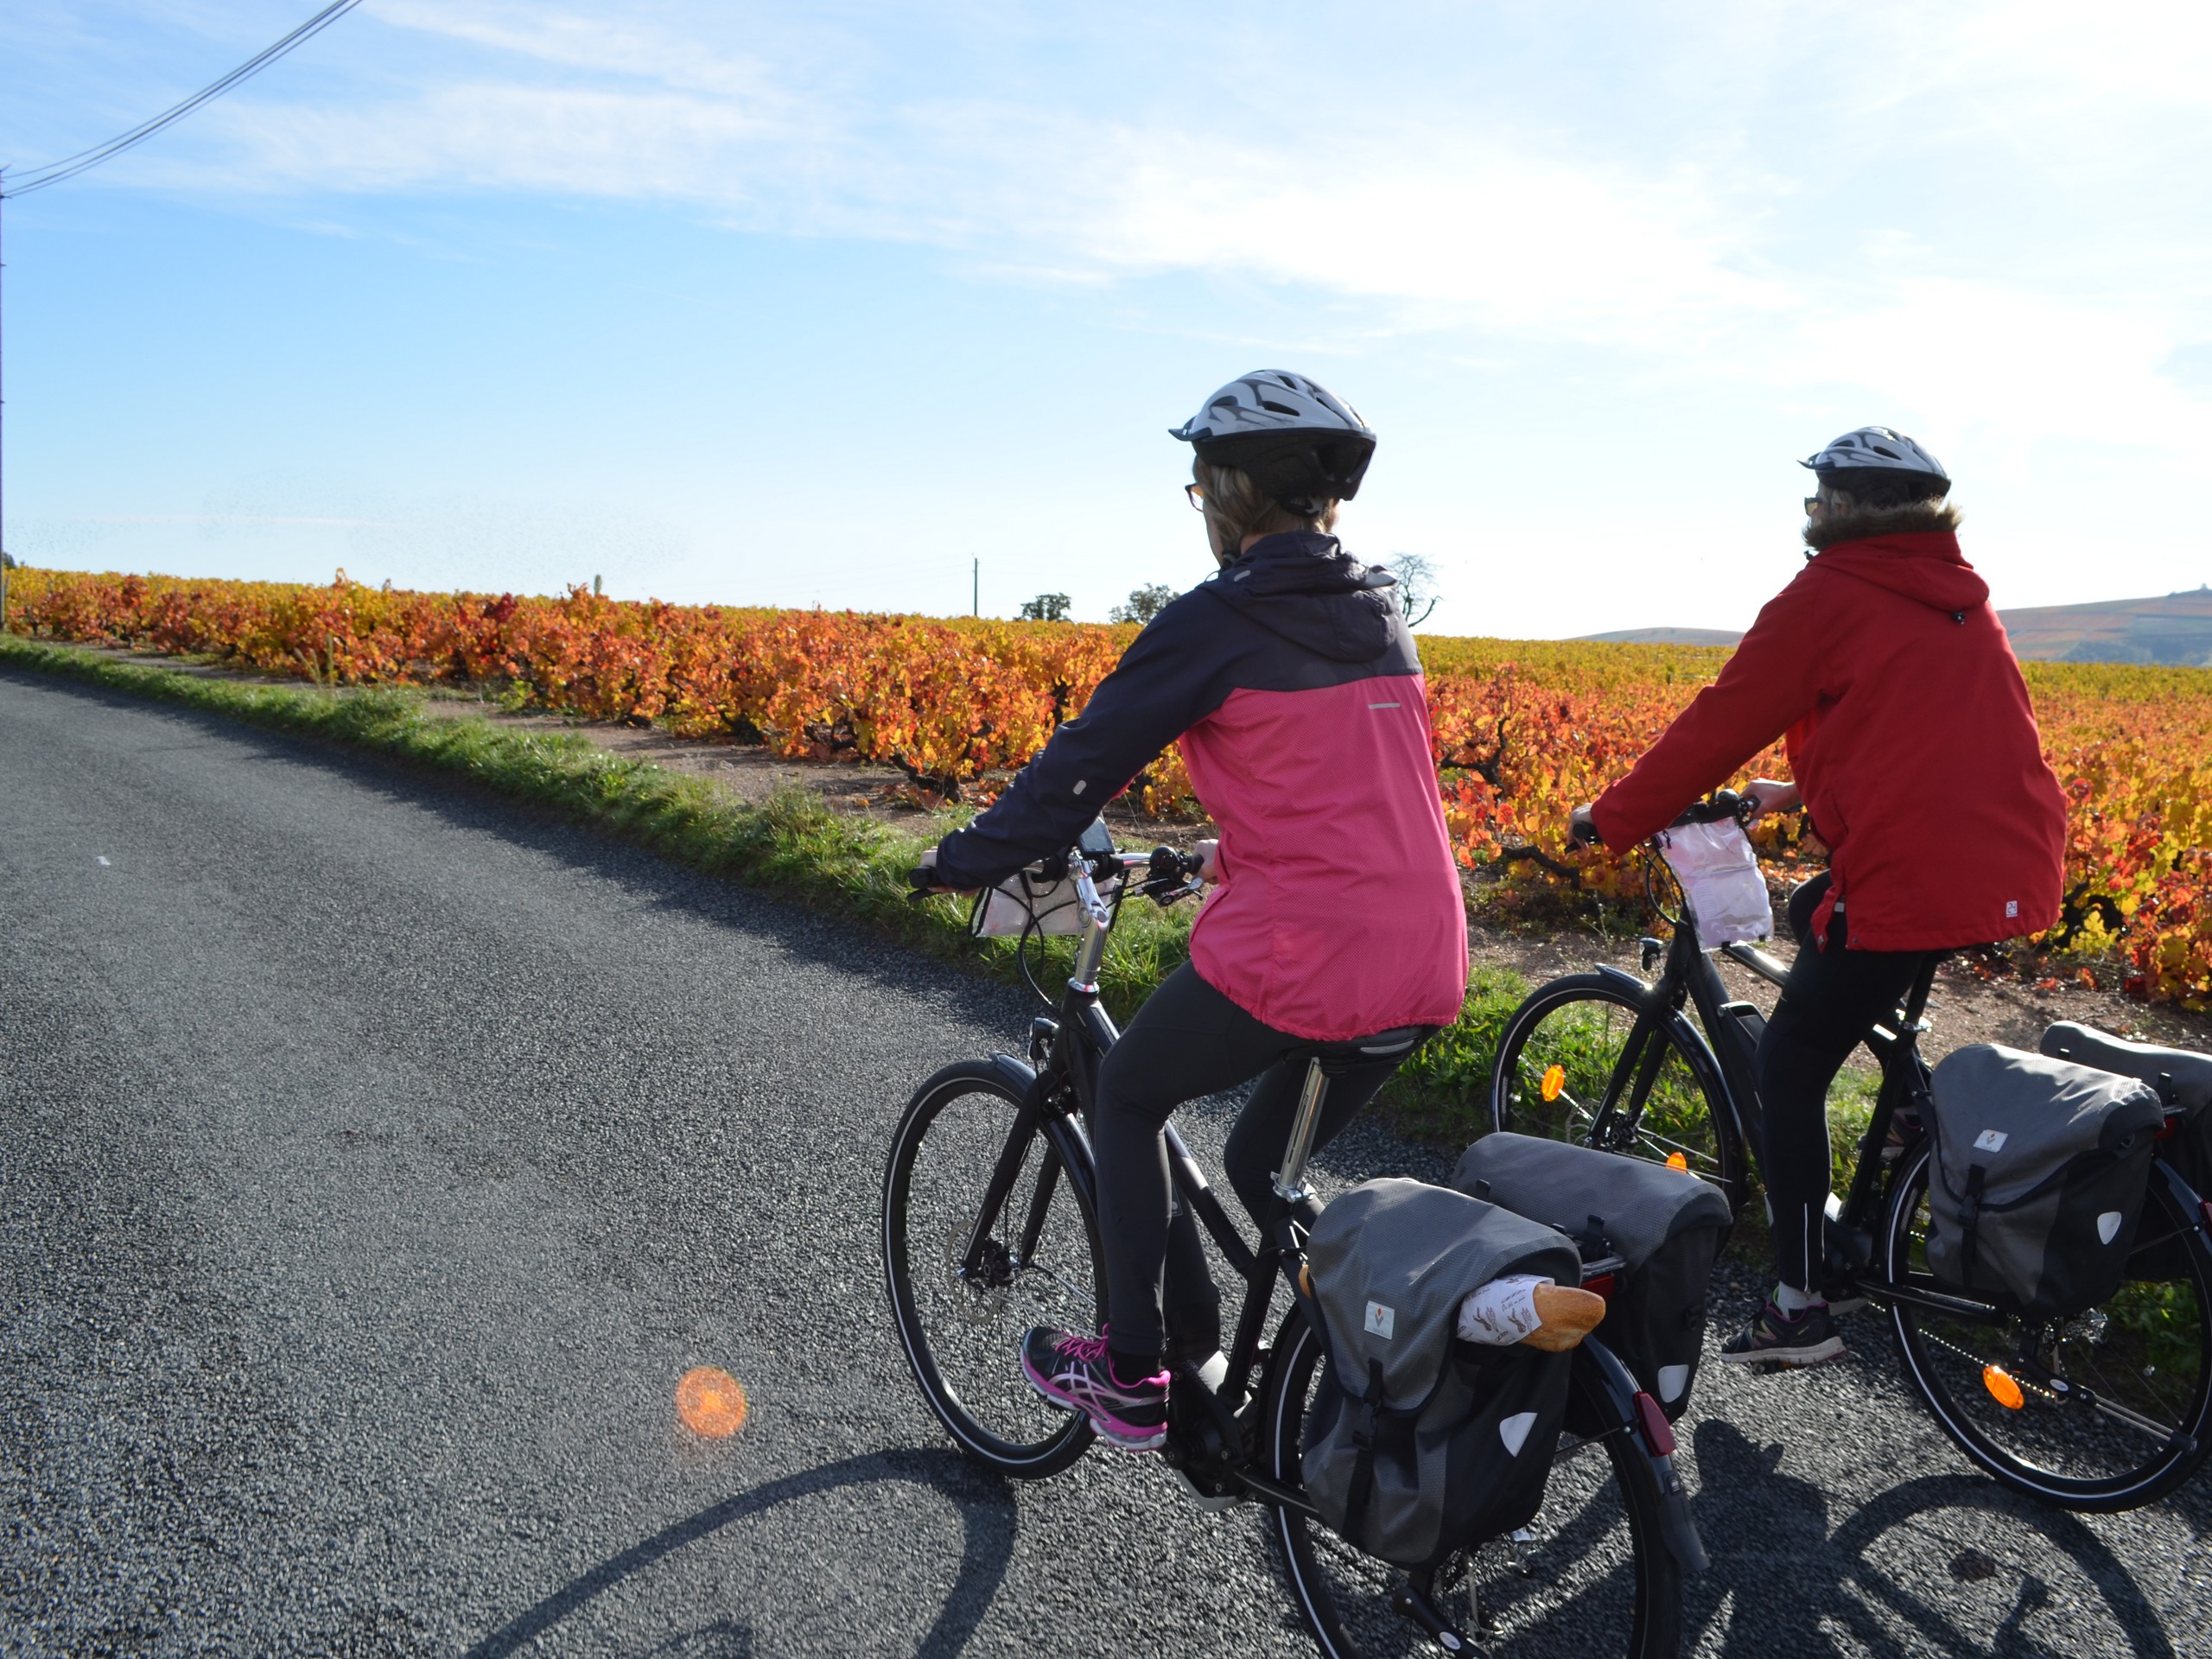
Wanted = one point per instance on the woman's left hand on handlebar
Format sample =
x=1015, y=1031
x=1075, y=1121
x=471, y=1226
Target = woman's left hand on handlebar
x=1582, y=830
x=926, y=865
x=1209, y=860
x=1765, y=795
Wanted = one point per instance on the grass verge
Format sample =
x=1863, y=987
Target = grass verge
x=791, y=844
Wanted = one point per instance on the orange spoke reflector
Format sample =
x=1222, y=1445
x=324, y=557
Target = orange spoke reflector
x=1675, y=1160
x=1555, y=1081
x=2002, y=1388
x=710, y=1402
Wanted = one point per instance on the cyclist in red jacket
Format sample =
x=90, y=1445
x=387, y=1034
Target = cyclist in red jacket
x=1915, y=754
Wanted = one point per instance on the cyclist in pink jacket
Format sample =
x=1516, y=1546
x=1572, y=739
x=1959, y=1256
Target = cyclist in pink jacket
x=1290, y=680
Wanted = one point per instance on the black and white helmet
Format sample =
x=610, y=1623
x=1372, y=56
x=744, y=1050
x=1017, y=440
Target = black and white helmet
x=1878, y=448
x=1299, y=443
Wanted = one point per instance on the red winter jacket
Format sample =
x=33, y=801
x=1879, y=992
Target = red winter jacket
x=1910, y=734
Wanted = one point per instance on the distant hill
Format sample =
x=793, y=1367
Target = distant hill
x=1666, y=637
x=2173, y=628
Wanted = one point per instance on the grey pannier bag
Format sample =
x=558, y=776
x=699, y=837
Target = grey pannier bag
x=1419, y=1444
x=2037, y=1178
x=1666, y=1225
x=2183, y=1082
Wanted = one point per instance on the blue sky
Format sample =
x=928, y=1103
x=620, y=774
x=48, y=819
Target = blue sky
x=814, y=305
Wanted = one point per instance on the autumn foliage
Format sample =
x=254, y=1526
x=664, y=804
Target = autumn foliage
x=1523, y=729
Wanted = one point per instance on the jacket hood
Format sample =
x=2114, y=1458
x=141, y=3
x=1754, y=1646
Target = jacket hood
x=1305, y=588
x=1922, y=565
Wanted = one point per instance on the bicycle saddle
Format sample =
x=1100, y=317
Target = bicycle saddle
x=1393, y=1044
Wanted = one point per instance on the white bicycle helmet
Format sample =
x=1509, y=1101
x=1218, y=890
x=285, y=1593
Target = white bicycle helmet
x=1878, y=448
x=1300, y=443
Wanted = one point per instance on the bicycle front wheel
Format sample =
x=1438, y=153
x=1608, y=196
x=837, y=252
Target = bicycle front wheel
x=2105, y=1411
x=1037, y=1263
x=1590, y=1578
x=1576, y=1062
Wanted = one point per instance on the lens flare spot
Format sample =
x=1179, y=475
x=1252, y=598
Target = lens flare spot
x=710, y=1402
x=1555, y=1081
x=1675, y=1160
x=2002, y=1388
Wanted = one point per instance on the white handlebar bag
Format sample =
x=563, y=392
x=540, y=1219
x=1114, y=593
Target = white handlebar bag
x=1719, y=874
x=1026, y=903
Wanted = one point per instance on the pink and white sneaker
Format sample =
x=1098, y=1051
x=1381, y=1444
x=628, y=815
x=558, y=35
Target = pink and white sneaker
x=1076, y=1374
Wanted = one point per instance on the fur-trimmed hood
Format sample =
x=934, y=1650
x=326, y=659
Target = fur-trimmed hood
x=1862, y=524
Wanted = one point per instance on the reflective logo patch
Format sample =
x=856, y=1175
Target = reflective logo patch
x=2012, y=908
x=1380, y=1320
x=1990, y=1140
x=2108, y=1225
x=1513, y=1431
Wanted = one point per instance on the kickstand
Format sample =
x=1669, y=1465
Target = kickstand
x=1412, y=1601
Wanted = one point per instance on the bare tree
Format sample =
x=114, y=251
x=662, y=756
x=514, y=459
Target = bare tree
x=1417, y=595
x=1144, y=604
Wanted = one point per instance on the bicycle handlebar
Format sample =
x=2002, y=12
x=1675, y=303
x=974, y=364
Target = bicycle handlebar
x=1721, y=805
x=1169, y=876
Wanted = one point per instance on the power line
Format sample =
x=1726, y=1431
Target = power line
x=69, y=166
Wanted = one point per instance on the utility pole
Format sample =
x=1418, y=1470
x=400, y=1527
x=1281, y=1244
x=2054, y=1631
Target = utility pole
x=4, y=442
x=975, y=601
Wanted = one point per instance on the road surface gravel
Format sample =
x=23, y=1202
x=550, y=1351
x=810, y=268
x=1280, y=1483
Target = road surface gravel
x=374, y=1158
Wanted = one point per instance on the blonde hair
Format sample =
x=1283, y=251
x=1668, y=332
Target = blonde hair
x=1236, y=507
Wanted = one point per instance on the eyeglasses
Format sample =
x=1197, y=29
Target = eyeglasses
x=1811, y=501
x=1196, y=496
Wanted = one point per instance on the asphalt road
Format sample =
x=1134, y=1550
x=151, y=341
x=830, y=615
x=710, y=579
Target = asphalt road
x=373, y=1160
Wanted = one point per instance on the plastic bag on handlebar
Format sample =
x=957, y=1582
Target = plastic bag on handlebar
x=1009, y=910
x=1030, y=901
x=1719, y=874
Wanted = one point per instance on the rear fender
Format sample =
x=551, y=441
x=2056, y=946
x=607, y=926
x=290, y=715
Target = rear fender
x=1603, y=1399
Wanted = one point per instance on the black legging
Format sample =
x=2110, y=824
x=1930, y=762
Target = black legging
x=1832, y=998
x=1189, y=1040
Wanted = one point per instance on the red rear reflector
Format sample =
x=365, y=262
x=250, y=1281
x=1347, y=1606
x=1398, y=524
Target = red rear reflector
x=1658, y=1432
x=1601, y=1286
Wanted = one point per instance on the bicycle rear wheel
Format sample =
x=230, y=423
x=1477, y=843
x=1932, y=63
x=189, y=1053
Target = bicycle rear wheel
x=962, y=1330
x=2105, y=1411
x=1574, y=1048
x=1590, y=1577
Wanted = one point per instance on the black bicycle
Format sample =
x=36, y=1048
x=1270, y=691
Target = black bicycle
x=989, y=1227
x=2103, y=1411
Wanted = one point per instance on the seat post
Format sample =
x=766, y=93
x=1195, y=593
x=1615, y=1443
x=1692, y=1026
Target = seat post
x=1290, y=1180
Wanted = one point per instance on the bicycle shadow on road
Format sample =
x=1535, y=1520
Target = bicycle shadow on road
x=1946, y=1564
x=983, y=1502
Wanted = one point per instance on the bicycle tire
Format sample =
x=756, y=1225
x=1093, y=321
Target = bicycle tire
x=1341, y=1593
x=1948, y=1361
x=961, y=1337
x=1580, y=1024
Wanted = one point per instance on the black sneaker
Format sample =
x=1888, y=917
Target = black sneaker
x=1775, y=1338
x=1076, y=1374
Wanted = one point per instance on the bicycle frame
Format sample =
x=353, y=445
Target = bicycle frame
x=1728, y=1067
x=1059, y=1086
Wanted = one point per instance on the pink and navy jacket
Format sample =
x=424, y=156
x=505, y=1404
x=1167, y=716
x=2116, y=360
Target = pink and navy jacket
x=1291, y=680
